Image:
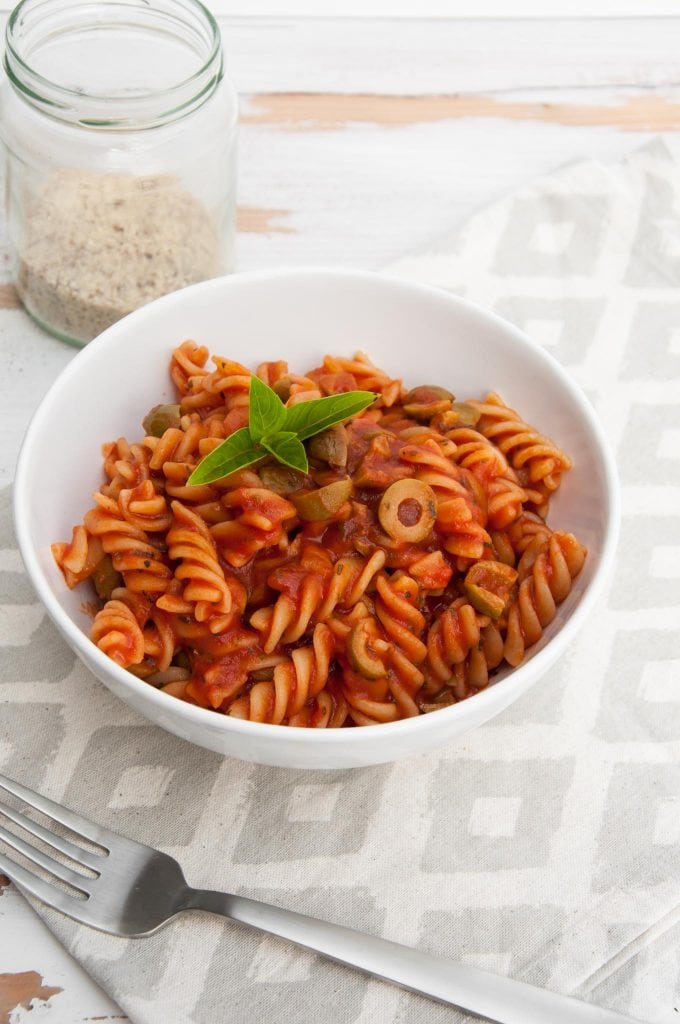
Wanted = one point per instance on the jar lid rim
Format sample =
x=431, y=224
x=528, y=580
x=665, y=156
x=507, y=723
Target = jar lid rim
x=145, y=109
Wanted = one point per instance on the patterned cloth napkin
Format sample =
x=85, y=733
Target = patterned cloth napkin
x=545, y=844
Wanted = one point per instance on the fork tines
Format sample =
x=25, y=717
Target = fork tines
x=83, y=858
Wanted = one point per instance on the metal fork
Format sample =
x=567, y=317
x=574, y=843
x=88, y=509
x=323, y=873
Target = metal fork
x=136, y=889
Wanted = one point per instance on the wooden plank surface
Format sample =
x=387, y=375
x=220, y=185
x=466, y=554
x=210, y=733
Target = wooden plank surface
x=392, y=56
x=360, y=141
x=649, y=112
x=396, y=57
x=449, y=9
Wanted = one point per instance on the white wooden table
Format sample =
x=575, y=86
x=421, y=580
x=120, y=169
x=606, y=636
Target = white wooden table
x=361, y=139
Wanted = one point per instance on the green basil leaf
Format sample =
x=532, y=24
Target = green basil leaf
x=234, y=453
x=267, y=411
x=288, y=449
x=308, y=418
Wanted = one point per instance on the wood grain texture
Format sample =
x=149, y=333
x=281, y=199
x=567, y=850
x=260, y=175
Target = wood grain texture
x=257, y=220
x=453, y=9
x=331, y=112
x=19, y=990
x=8, y=297
x=426, y=56
x=423, y=56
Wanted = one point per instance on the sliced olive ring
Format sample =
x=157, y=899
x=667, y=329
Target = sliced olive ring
x=362, y=659
x=488, y=585
x=330, y=446
x=407, y=510
x=105, y=578
x=324, y=503
x=281, y=479
x=467, y=415
x=426, y=401
x=160, y=419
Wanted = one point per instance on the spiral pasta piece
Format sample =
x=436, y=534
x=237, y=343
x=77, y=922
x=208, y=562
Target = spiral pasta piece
x=78, y=558
x=434, y=468
x=188, y=365
x=158, y=633
x=177, y=444
x=352, y=576
x=505, y=502
x=231, y=380
x=431, y=571
x=141, y=562
x=547, y=582
x=312, y=587
x=358, y=372
x=294, y=694
x=451, y=637
x=460, y=518
x=395, y=651
x=142, y=507
x=117, y=633
x=225, y=388
x=259, y=523
x=125, y=466
x=468, y=675
x=477, y=453
x=206, y=593
x=537, y=456
x=403, y=623
x=300, y=584
x=386, y=699
x=474, y=673
x=526, y=530
x=179, y=449
x=459, y=523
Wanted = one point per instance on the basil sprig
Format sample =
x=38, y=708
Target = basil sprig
x=276, y=430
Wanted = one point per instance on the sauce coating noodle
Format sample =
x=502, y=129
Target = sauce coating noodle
x=235, y=595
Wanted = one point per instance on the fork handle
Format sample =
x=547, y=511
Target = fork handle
x=488, y=995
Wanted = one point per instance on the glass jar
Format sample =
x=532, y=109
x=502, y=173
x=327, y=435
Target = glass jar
x=119, y=131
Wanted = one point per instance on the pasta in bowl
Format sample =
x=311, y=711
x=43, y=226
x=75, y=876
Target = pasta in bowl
x=401, y=574
x=389, y=579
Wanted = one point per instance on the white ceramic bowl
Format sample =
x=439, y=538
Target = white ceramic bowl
x=422, y=334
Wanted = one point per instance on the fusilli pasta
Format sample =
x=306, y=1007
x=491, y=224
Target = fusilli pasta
x=258, y=596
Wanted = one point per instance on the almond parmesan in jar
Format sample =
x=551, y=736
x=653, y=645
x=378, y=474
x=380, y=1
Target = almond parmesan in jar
x=119, y=132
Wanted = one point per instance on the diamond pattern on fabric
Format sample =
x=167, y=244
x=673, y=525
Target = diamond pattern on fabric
x=545, y=845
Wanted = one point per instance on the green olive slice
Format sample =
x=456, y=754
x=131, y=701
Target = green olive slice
x=281, y=479
x=160, y=419
x=485, y=601
x=467, y=415
x=407, y=510
x=325, y=502
x=426, y=401
x=261, y=675
x=362, y=659
x=330, y=446
x=442, y=700
x=488, y=585
x=106, y=578
x=282, y=388
x=181, y=660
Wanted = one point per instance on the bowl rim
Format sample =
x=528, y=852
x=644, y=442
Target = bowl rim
x=89, y=652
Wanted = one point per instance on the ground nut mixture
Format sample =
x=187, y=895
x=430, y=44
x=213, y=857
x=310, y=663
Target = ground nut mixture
x=97, y=246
